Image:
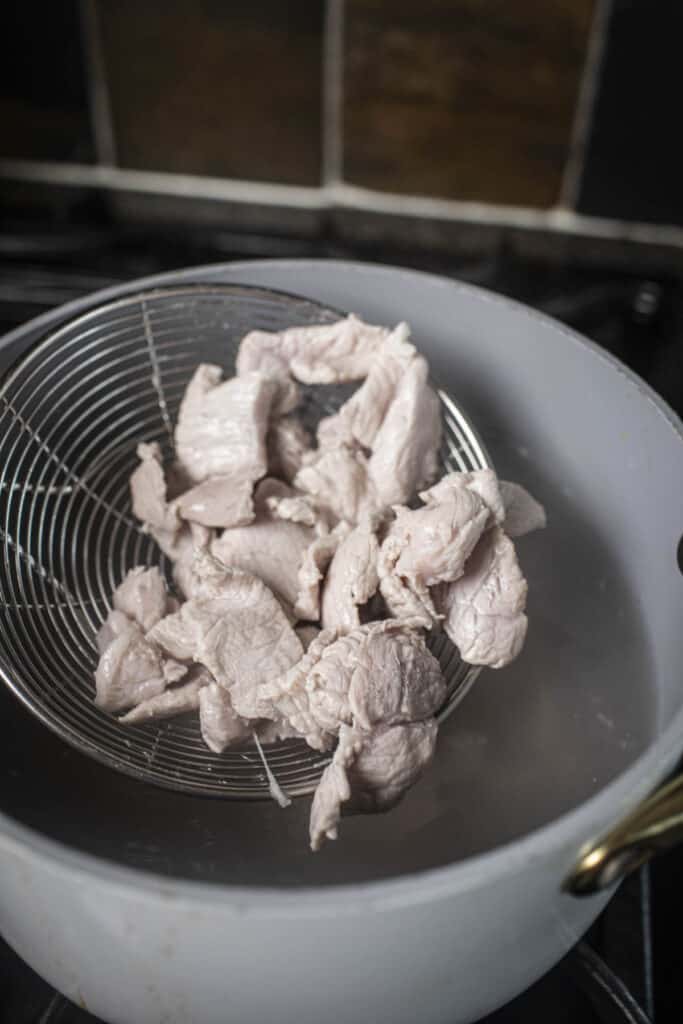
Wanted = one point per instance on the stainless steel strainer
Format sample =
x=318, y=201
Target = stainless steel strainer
x=72, y=410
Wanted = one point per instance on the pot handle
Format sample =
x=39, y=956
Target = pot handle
x=655, y=825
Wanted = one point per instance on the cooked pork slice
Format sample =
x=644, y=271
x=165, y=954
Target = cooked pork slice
x=370, y=771
x=297, y=509
x=222, y=425
x=237, y=629
x=484, y=608
x=432, y=544
x=405, y=451
x=218, y=501
x=270, y=548
x=482, y=482
x=314, y=564
x=522, y=512
x=351, y=578
x=114, y=625
x=131, y=669
x=168, y=704
x=288, y=442
x=315, y=695
x=148, y=491
x=360, y=418
x=220, y=724
x=143, y=596
x=395, y=679
x=324, y=354
x=182, y=549
x=337, y=481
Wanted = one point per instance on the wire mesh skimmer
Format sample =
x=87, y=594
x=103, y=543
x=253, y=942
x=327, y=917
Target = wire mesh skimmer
x=72, y=410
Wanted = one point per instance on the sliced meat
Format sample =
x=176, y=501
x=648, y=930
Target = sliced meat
x=337, y=481
x=315, y=696
x=115, y=624
x=297, y=509
x=288, y=442
x=270, y=548
x=219, y=501
x=314, y=564
x=192, y=540
x=222, y=425
x=370, y=772
x=220, y=724
x=395, y=679
x=351, y=578
x=237, y=629
x=360, y=418
x=177, y=701
x=324, y=354
x=405, y=451
x=131, y=670
x=148, y=491
x=432, y=544
x=142, y=597
x=484, y=608
x=482, y=482
x=522, y=512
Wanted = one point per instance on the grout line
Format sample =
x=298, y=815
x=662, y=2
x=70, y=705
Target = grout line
x=191, y=186
x=340, y=195
x=333, y=93
x=585, y=105
x=101, y=122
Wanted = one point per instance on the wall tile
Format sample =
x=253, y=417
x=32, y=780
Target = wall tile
x=226, y=89
x=43, y=95
x=465, y=99
x=634, y=165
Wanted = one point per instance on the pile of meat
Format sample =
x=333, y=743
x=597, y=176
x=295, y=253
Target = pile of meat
x=307, y=574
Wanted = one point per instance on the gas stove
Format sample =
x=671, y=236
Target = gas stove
x=628, y=967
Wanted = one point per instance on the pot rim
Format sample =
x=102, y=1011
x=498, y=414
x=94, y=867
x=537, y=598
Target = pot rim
x=560, y=838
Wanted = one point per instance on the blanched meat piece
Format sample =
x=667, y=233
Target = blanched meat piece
x=270, y=548
x=220, y=724
x=522, y=512
x=183, y=548
x=360, y=418
x=405, y=451
x=115, y=624
x=168, y=704
x=297, y=509
x=222, y=425
x=382, y=668
x=370, y=772
x=432, y=544
x=219, y=501
x=235, y=627
x=482, y=482
x=288, y=443
x=351, y=578
x=314, y=565
x=484, y=608
x=337, y=481
x=149, y=493
x=142, y=597
x=324, y=354
x=131, y=669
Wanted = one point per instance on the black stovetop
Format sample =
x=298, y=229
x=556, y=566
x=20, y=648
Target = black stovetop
x=629, y=967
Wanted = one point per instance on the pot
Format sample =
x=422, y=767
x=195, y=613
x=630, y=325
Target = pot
x=146, y=905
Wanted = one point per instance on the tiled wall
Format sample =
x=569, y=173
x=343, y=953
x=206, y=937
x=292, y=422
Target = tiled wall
x=566, y=103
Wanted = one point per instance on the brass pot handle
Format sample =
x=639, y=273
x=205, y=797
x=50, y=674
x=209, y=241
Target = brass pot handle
x=655, y=825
